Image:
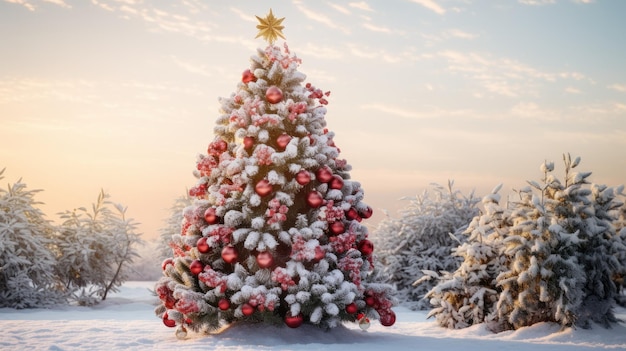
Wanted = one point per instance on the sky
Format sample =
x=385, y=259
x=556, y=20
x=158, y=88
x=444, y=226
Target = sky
x=121, y=95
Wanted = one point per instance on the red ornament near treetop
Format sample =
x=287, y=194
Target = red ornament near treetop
x=264, y=259
x=324, y=174
x=247, y=76
x=303, y=177
x=314, y=199
x=229, y=254
x=274, y=95
x=203, y=246
x=283, y=140
x=263, y=187
x=209, y=215
x=196, y=267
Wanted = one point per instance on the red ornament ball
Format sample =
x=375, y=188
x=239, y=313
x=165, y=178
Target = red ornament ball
x=273, y=95
x=203, y=246
x=247, y=310
x=336, y=182
x=352, y=308
x=314, y=199
x=209, y=215
x=223, y=304
x=388, y=318
x=196, y=267
x=247, y=76
x=366, y=247
x=283, y=140
x=367, y=213
x=370, y=301
x=263, y=187
x=248, y=143
x=319, y=254
x=352, y=214
x=337, y=227
x=264, y=259
x=303, y=177
x=324, y=174
x=168, y=322
x=229, y=254
x=293, y=321
x=167, y=262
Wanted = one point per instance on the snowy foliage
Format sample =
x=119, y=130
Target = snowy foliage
x=551, y=255
x=418, y=244
x=96, y=248
x=26, y=259
x=173, y=225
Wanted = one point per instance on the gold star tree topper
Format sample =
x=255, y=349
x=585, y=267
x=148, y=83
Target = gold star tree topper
x=270, y=28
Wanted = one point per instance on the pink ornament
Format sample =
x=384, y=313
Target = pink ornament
x=246, y=309
x=263, y=187
x=196, y=267
x=168, y=322
x=273, y=95
x=248, y=143
x=370, y=301
x=209, y=215
x=366, y=247
x=352, y=308
x=336, y=182
x=167, y=262
x=367, y=213
x=303, y=177
x=203, y=246
x=314, y=199
x=283, y=140
x=319, y=254
x=264, y=259
x=229, y=254
x=247, y=76
x=324, y=174
x=223, y=304
x=337, y=227
x=293, y=321
x=388, y=318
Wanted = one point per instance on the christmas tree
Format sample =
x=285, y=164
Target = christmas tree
x=274, y=234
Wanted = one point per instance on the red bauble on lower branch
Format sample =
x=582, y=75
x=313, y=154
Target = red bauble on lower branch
x=293, y=321
x=203, y=246
x=264, y=259
x=352, y=214
x=366, y=247
x=248, y=143
x=196, y=267
x=283, y=140
x=352, y=308
x=166, y=262
x=168, y=322
x=303, y=177
x=324, y=174
x=336, y=182
x=229, y=254
x=223, y=304
x=314, y=199
x=388, y=318
x=337, y=227
x=209, y=215
x=367, y=213
x=263, y=187
x=247, y=309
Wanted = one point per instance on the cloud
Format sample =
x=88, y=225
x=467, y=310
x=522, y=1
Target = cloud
x=192, y=68
x=374, y=28
x=434, y=112
x=318, y=17
x=431, y=5
x=572, y=90
x=618, y=87
x=31, y=7
x=361, y=6
x=243, y=15
x=531, y=110
x=457, y=33
x=536, y=2
x=339, y=8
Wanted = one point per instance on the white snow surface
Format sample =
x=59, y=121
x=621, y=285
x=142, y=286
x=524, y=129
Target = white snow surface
x=126, y=321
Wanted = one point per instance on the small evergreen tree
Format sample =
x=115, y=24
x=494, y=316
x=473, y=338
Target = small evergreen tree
x=96, y=250
x=420, y=239
x=26, y=262
x=173, y=225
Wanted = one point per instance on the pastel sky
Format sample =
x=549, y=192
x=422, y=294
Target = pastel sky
x=123, y=94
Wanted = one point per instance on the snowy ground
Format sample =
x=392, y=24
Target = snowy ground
x=126, y=322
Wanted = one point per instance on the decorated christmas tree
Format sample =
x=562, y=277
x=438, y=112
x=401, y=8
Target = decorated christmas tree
x=275, y=232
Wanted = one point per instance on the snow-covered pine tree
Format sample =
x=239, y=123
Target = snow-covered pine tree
x=468, y=295
x=173, y=225
x=27, y=277
x=420, y=240
x=96, y=250
x=275, y=232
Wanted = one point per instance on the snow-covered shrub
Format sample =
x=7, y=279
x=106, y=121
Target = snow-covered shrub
x=558, y=255
x=26, y=263
x=173, y=225
x=96, y=250
x=420, y=240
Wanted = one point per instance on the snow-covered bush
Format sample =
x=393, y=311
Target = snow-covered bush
x=96, y=250
x=173, y=224
x=558, y=255
x=420, y=240
x=26, y=262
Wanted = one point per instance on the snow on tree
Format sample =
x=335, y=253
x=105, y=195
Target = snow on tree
x=27, y=277
x=468, y=295
x=173, y=225
x=557, y=252
x=97, y=249
x=420, y=240
x=275, y=233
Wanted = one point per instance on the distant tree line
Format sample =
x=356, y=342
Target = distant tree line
x=86, y=257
